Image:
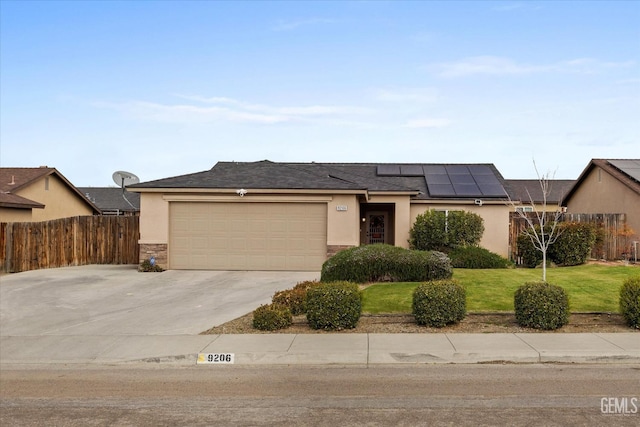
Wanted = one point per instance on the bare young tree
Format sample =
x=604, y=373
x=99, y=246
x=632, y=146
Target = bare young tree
x=542, y=225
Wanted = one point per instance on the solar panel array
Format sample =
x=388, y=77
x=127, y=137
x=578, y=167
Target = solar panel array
x=451, y=180
x=630, y=167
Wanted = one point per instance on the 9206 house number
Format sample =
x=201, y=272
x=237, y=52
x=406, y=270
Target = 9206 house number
x=216, y=358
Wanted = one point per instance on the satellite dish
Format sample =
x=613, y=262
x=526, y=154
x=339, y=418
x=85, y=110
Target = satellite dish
x=123, y=178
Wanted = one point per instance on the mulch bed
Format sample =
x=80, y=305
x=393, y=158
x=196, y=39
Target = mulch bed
x=473, y=323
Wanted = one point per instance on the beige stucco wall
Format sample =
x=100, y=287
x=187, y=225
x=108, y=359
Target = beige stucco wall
x=59, y=201
x=343, y=227
x=154, y=218
x=496, y=222
x=602, y=193
x=15, y=215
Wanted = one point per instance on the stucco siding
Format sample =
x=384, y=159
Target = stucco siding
x=495, y=217
x=599, y=192
x=15, y=215
x=59, y=201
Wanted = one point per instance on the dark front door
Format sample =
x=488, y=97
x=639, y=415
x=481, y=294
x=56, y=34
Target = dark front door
x=376, y=227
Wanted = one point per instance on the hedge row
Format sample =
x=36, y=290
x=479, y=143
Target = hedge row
x=386, y=263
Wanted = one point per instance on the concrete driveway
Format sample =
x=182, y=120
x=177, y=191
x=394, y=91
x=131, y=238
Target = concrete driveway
x=112, y=300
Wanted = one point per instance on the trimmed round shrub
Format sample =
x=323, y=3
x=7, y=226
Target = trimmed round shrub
x=630, y=301
x=439, y=303
x=271, y=317
x=334, y=306
x=541, y=305
x=477, y=257
x=464, y=228
x=385, y=263
x=294, y=298
x=429, y=231
x=441, y=231
x=574, y=243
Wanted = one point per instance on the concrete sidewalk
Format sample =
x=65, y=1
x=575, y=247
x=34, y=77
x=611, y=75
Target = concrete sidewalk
x=325, y=349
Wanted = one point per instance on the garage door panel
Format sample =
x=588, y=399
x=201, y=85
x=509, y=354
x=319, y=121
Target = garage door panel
x=247, y=236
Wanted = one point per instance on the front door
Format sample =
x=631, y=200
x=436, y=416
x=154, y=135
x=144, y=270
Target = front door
x=376, y=227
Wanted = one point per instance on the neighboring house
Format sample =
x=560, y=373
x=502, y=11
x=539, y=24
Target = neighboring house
x=113, y=200
x=292, y=216
x=528, y=196
x=608, y=186
x=39, y=194
x=17, y=209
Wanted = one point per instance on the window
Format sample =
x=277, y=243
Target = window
x=46, y=184
x=524, y=208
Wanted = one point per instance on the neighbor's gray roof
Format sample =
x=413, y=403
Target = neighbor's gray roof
x=111, y=198
x=527, y=190
x=301, y=176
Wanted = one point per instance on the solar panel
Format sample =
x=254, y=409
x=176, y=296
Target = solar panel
x=411, y=170
x=480, y=170
x=630, y=167
x=492, y=190
x=468, y=190
x=437, y=179
x=434, y=169
x=486, y=179
x=388, y=170
x=457, y=170
x=441, y=190
x=462, y=179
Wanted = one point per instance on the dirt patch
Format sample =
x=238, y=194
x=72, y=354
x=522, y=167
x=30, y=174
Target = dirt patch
x=401, y=324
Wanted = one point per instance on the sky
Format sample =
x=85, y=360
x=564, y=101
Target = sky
x=163, y=88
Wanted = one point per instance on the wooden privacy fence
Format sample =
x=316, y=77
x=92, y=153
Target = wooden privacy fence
x=79, y=240
x=615, y=239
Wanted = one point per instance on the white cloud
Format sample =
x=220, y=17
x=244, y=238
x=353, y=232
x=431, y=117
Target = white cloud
x=495, y=65
x=232, y=110
x=427, y=123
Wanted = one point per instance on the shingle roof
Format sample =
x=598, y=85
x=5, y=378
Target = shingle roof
x=14, y=179
x=112, y=198
x=8, y=200
x=527, y=190
x=300, y=176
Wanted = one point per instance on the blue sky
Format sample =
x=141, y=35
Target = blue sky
x=168, y=88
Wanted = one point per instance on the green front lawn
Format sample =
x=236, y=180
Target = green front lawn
x=590, y=288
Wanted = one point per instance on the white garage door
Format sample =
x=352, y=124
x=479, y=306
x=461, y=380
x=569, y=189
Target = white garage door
x=247, y=236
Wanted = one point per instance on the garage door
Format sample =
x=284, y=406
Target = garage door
x=247, y=236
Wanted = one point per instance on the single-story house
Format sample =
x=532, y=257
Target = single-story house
x=608, y=186
x=529, y=196
x=40, y=194
x=113, y=200
x=291, y=216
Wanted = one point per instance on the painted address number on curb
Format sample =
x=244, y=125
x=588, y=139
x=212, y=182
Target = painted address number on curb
x=215, y=358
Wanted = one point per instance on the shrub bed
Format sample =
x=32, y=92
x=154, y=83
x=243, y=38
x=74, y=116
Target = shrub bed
x=541, y=305
x=572, y=247
x=334, y=305
x=477, y=257
x=294, y=299
x=630, y=301
x=271, y=317
x=386, y=263
x=439, y=303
